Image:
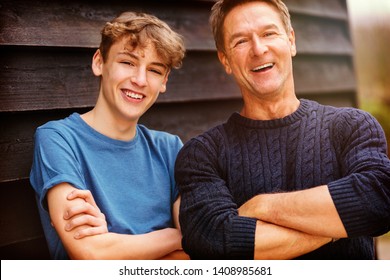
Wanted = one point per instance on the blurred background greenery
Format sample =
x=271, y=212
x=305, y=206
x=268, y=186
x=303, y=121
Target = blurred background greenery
x=370, y=29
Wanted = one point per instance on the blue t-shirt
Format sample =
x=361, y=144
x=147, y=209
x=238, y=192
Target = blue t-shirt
x=132, y=181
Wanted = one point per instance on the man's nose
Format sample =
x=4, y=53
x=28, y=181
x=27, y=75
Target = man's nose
x=259, y=45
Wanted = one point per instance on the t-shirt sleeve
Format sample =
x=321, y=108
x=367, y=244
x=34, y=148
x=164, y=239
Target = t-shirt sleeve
x=54, y=162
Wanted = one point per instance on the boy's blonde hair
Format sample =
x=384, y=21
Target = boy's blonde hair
x=142, y=29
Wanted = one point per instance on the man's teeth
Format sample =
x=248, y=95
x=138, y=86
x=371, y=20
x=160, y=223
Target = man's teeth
x=134, y=95
x=263, y=67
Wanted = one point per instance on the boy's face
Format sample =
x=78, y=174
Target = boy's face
x=131, y=80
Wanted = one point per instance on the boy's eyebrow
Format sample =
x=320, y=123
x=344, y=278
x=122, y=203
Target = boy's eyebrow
x=136, y=57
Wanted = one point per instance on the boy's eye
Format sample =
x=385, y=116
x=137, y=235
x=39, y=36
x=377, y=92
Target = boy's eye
x=156, y=71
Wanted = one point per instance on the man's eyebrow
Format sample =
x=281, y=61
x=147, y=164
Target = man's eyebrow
x=136, y=57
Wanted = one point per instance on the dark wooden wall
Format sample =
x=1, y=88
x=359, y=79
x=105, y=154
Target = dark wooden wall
x=46, y=48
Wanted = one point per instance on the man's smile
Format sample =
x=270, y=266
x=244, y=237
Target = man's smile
x=263, y=67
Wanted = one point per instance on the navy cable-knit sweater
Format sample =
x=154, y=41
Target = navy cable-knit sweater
x=221, y=169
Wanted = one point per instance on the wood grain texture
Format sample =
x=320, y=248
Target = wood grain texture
x=78, y=23
x=46, y=48
x=53, y=79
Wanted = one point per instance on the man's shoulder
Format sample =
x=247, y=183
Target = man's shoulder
x=347, y=114
x=212, y=134
x=338, y=113
x=212, y=139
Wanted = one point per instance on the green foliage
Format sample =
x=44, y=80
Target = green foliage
x=372, y=60
x=381, y=111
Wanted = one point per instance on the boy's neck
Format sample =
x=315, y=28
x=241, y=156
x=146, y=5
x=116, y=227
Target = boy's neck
x=109, y=125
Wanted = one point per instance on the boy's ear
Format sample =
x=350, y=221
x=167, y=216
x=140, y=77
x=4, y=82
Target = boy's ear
x=163, y=87
x=97, y=63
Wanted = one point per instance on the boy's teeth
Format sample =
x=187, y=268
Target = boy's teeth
x=134, y=95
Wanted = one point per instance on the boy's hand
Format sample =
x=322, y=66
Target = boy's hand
x=86, y=214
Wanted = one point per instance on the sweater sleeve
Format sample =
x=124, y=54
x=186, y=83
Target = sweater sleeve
x=362, y=195
x=209, y=218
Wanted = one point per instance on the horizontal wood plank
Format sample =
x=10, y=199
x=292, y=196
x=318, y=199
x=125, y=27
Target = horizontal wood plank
x=17, y=200
x=321, y=36
x=332, y=9
x=31, y=249
x=56, y=79
x=78, y=23
x=336, y=9
x=324, y=74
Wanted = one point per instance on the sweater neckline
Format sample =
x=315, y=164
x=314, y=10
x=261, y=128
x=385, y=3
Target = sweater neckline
x=288, y=120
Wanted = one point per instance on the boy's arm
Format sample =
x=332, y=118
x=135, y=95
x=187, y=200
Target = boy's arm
x=106, y=245
x=88, y=213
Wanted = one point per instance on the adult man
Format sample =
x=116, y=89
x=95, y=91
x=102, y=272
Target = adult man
x=127, y=168
x=284, y=177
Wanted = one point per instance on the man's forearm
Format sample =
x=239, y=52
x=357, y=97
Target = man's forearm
x=311, y=211
x=276, y=242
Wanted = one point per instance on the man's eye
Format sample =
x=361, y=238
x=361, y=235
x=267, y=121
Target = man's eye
x=240, y=42
x=270, y=34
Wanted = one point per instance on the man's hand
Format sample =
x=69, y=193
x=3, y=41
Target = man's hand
x=86, y=214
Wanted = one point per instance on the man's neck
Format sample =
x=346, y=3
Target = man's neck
x=270, y=109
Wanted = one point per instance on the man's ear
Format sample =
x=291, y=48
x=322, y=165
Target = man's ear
x=225, y=62
x=97, y=63
x=293, y=46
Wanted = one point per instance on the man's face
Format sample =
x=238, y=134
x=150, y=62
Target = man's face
x=131, y=80
x=258, y=51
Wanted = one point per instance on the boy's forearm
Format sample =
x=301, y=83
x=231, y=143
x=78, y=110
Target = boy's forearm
x=153, y=245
